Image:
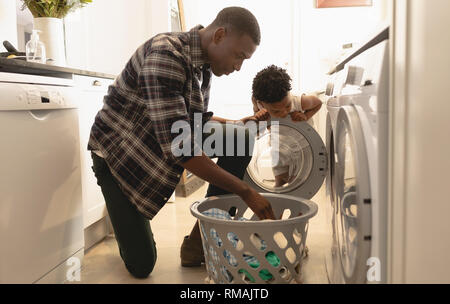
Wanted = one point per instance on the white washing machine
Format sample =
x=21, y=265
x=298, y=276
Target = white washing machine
x=358, y=185
x=354, y=161
x=338, y=83
x=331, y=253
x=41, y=212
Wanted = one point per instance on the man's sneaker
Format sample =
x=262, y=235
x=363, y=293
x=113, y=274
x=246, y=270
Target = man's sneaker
x=191, y=253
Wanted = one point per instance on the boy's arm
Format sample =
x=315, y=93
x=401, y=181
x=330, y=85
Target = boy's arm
x=310, y=105
x=298, y=116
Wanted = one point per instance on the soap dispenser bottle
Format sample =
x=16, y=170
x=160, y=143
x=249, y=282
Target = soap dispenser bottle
x=35, y=49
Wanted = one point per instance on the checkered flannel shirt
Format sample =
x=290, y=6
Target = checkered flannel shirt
x=166, y=80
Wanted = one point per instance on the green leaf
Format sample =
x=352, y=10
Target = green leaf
x=52, y=8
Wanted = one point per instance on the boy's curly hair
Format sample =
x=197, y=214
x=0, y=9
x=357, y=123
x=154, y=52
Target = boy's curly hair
x=271, y=84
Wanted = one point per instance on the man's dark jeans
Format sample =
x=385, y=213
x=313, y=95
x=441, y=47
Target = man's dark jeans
x=132, y=230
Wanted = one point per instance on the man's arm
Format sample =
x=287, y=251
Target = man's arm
x=165, y=105
x=209, y=171
x=225, y=120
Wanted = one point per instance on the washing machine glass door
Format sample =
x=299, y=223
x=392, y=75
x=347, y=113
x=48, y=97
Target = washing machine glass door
x=353, y=196
x=332, y=264
x=331, y=176
x=288, y=158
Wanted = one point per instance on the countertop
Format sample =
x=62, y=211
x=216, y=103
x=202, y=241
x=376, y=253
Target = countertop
x=24, y=67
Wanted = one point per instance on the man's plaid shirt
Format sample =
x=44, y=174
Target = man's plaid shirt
x=166, y=80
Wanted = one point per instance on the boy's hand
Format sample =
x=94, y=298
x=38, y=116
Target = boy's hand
x=298, y=116
x=262, y=115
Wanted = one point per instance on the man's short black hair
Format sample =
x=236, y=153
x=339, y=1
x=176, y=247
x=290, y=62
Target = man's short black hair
x=271, y=84
x=240, y=20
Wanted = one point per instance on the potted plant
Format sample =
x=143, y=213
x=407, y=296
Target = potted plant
x=48, y=18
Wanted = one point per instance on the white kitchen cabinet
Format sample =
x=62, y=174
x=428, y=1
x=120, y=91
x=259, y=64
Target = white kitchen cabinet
x=92, y=91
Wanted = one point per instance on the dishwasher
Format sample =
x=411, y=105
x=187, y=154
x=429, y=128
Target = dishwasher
x=41, y=212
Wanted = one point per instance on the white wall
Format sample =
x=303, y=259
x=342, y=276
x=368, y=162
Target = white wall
x=231, y=95
x=103, y=35
x=24, y=25
x=157, y=15
x=8, y=20
x=323, y=32
x=296, y=36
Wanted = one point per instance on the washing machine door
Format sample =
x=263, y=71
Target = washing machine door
x=288, y=158
x=332, y=263
x=353, y=197
x=331, y=153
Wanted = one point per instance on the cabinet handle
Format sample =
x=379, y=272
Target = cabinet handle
x=97, y=83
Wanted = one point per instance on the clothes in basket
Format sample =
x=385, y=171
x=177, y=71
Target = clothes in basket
x=272, y=258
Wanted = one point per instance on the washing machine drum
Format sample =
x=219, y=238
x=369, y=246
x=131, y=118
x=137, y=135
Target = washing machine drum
x=288, y=158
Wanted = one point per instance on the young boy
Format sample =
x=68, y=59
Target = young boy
x=272, y=98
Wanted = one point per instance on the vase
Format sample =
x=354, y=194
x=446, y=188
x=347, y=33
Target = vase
x=52, y=35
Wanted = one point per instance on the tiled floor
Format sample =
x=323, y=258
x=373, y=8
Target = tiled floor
x=102, y=263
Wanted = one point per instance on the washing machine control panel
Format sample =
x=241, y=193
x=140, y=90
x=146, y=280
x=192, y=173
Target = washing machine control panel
x=354, y=75
x=330, y=89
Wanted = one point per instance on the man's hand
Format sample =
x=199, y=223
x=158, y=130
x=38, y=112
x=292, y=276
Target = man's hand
x=298, y=116
x=259, y=205
x=207, y=170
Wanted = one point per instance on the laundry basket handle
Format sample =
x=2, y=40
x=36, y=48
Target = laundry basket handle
x=195, y=205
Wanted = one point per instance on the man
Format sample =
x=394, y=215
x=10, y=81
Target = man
x=166, y=81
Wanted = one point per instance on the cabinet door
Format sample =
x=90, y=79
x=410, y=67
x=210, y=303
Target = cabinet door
x=91, y=101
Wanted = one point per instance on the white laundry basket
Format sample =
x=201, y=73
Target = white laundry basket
x=254, y=251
